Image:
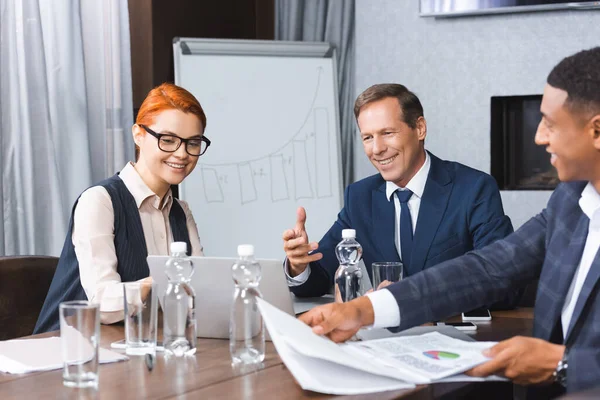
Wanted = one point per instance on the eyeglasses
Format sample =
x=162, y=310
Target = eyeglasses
x=171, y=143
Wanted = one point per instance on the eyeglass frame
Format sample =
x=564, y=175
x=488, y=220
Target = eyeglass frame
x=181, y=140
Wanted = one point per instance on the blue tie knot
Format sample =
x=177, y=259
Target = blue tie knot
x=404, y=195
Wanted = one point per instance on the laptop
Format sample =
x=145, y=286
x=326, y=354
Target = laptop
x=213, y=284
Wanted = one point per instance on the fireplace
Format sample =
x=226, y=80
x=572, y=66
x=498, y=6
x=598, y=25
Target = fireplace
x=517, y=163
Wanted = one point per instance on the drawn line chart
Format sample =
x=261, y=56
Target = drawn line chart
x=299, y=169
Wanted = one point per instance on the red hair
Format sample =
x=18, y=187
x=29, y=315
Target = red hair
x=168, y=97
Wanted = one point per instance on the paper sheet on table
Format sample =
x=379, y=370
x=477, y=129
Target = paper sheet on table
x=321, y=365
x=28, y=355
x=373, y=334
x=432, y=356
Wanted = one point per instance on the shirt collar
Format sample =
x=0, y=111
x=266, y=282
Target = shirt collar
x=590, y=200
x=140, y=191
x=416, y=184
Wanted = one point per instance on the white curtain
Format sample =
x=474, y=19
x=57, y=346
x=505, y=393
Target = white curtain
x=327, y=21
x=65, y=112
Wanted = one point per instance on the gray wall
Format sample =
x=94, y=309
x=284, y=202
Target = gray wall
x=455, y=65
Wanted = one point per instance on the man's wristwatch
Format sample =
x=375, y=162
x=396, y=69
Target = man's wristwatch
x=560, y=373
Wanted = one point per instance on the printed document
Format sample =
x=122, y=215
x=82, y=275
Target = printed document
x=394, y=363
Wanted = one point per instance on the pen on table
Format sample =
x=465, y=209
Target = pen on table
x=150, y=361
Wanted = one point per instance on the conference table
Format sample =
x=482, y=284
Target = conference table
x=210, y=375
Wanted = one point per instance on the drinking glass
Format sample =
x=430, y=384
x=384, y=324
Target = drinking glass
x=140, y=309
x=386, y=273
x=79, y=338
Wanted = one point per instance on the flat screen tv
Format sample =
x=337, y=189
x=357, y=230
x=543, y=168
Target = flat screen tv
x=456, y=8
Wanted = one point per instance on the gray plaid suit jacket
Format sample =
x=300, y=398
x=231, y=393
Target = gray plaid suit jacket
x=549, y=247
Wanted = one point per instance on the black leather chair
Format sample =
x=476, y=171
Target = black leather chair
x=24, y=284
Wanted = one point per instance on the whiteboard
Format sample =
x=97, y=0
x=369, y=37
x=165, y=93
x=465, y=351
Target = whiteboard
x=272, y=119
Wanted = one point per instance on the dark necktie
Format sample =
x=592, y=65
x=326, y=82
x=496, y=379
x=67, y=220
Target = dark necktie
x=406, y=232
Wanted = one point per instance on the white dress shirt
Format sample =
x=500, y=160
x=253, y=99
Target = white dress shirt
x=385, y=313
x=93, y=238
x=590, y=205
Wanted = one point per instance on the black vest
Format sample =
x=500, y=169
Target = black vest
x=130, y=248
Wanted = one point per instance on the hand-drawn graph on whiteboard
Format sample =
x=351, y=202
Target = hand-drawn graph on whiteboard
x=271, y=111
x=296, y=170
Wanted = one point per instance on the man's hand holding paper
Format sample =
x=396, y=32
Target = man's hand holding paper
x=339, y=322
x=524, y=360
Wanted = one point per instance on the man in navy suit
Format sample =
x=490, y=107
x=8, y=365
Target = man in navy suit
x=559, y=246
x=418, y=209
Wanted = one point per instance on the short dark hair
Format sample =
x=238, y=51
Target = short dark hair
x=579, y=76
x=409, y=102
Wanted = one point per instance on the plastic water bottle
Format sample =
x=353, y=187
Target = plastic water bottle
x=179, y=319
x=348, y=277
x=246, y=328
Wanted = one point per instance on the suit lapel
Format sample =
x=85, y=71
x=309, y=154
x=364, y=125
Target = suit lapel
x=384, y=222
x=588, y=285
x=433, y=206
x=568, y=264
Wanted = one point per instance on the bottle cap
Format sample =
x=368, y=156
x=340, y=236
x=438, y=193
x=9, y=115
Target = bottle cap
x=178, y=247
x=245, y=250
x=348, y=233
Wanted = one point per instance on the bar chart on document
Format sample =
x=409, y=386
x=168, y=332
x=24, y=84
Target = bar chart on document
x=275, y=146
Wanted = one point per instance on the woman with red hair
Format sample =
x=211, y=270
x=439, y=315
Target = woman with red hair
x=117, y=223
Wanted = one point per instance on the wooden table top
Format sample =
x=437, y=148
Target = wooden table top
x=209, y=374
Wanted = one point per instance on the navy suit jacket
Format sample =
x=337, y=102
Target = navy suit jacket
x=460, y=210
x=549, y=247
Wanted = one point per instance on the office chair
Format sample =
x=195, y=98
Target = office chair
x=24, y=283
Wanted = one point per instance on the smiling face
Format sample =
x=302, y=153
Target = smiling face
x=160, y=169
x=393, y=147
x=570, y=138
